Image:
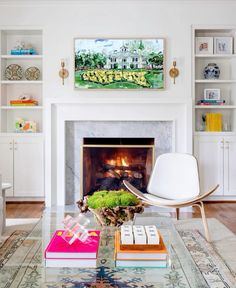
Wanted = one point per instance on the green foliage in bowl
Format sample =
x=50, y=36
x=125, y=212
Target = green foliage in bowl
x=111, y=199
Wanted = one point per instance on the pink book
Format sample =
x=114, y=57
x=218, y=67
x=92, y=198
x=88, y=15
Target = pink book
x=58, y=248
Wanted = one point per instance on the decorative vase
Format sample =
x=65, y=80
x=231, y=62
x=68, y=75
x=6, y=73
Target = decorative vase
x=212, y=71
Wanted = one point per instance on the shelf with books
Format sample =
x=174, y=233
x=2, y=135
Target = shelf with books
x=21, y=50
x=214, y=69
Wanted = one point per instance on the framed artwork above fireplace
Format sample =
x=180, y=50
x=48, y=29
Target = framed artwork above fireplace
x=119, y=63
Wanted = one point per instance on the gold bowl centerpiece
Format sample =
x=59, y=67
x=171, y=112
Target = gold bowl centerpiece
x=112, y=208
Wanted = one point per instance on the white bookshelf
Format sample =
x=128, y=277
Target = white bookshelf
x=12, y=89
x=226, y=82
x=215, y=150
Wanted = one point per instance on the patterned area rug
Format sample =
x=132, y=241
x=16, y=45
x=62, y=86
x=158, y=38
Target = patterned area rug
x=208, y=268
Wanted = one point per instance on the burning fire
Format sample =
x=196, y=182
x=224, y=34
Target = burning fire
x=119, y=161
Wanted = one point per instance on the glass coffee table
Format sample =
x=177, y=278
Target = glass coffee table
x=26, y=268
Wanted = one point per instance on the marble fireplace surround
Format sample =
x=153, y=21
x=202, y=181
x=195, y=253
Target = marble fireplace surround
x=161, y=131
x=64, y=116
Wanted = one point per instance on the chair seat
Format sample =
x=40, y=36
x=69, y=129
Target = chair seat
x=165, y=201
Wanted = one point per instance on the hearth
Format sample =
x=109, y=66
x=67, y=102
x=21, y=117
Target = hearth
x=106, y=162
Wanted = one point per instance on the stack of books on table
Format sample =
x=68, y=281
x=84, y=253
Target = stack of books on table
x=140, y=246
x=59, y=253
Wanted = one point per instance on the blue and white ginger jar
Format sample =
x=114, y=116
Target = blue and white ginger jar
x=212, y=71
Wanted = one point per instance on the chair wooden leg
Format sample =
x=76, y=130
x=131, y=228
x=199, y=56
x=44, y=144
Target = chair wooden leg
x=204, y=220
x=177, y=213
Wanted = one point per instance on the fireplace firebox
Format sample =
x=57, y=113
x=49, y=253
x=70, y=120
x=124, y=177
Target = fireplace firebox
x=106, y=162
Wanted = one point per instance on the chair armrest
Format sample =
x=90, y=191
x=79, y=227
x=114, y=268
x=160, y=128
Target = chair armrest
x=189, y=202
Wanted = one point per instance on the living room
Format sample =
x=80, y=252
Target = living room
x=133, y=100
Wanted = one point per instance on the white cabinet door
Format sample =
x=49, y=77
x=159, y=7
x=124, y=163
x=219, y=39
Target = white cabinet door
x=209, y=152
x=6, y=162
x=28, y=167
x=230, y=166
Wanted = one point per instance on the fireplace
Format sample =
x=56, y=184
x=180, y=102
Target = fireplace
x=106, y=162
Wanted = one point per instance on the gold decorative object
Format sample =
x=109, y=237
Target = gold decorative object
x=63, y=73
x=174, y=72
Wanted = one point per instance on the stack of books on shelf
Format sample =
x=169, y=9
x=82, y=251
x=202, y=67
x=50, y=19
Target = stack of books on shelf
x=59, y=253
x=30, y=51
x=214, y=122
x=211, y=102
x=140, y=246
x=23, y=102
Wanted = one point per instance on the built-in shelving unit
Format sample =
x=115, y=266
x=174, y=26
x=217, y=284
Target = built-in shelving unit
x=12, y=89
x=215, y=151
x=21, y=154
x=226, y=82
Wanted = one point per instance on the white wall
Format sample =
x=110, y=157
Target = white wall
x=64, y=20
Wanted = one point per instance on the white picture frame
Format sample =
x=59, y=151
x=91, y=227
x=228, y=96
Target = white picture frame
x=211, y=94
x=223, y=45
x=204, y=45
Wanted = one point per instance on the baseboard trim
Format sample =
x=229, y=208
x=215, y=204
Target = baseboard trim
x=25, y=200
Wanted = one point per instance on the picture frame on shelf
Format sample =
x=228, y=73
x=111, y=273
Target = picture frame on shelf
x=119, y=63
x=204, y=45
x=223, y=45
x=211, y=94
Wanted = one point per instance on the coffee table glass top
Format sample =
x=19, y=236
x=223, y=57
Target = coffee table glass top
x=28, y=264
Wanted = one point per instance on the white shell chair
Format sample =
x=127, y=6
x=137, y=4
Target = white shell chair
x=174, y=183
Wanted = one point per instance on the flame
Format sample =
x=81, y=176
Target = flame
x=124, y=163
x=119, y=161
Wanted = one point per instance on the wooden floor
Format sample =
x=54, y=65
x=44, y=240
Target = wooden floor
x=224, y=212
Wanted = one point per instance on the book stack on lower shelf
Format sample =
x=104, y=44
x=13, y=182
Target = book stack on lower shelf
x=22, y=102
x=59, y=253
x=140, y=246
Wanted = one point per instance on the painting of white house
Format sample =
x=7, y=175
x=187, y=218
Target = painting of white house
x=119, y=64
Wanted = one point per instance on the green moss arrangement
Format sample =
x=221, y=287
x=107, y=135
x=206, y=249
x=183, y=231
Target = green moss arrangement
x=111, y=199
x=111, y=208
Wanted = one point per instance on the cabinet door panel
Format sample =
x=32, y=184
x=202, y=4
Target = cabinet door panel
x=6, y=162
x=209, y=153
x=230, y=167
x=28, y=168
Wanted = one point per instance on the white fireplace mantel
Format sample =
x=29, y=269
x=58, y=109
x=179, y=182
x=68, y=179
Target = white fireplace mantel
x=61, y=109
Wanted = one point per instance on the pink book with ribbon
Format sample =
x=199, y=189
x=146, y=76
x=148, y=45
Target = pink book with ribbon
x=58, y=248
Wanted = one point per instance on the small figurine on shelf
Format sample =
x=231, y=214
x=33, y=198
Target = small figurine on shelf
x=25, y=126
x=21, y=49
